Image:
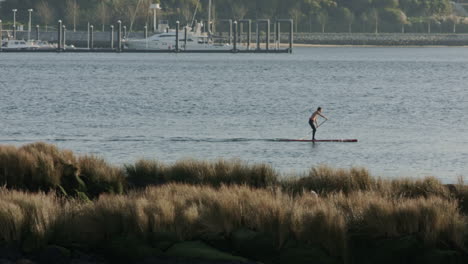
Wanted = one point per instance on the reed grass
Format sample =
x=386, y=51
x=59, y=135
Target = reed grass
x=100, y=177
x=146, y=172
x=190, y=200
x=324, y=179
x=27, y=219
x=190, y=212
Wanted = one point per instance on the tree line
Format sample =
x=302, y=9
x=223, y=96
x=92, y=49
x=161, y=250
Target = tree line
x=308, y=15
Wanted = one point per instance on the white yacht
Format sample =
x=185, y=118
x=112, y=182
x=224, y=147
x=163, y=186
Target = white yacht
x=167, y=41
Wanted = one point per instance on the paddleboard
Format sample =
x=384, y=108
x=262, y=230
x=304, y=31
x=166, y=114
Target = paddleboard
x=317, y=140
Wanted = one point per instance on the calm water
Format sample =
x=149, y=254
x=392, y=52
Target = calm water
x=407, y=106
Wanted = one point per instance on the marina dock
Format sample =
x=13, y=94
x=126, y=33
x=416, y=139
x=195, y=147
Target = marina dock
x=237, y=40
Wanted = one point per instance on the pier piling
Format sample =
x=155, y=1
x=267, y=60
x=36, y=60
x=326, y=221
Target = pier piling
x=112, y=37
x=177, y=37
x=235, y=37
x=64, y=32
x=119, y=36
x=240, y=31
x=267, y=23
x=258, y=36
x=291, y=32
x=87, y=34
x=91, y=36
x=230, y=31
x=185, y=38
x=249, y=30
x=59, y=36
x=229, y=22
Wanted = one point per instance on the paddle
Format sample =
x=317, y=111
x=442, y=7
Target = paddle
x=317, y=127
x=322, y=123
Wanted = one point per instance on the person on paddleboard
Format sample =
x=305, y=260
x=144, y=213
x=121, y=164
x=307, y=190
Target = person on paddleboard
x=313, y=121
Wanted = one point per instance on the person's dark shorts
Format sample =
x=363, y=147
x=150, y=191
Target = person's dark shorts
x=312, y=125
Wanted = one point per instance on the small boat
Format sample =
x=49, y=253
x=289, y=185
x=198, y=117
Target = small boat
x=317, y=140
x=14, y=44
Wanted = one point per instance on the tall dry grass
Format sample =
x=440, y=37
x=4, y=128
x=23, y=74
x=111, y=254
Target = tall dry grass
x=100, y=177
x=44, y=167
x=27, y=219
x=41, y=166
x=191, y=212
x=192, y=199
x=324, y=179
x=145, y=172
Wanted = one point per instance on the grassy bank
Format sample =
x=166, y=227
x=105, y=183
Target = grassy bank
x=224, y=210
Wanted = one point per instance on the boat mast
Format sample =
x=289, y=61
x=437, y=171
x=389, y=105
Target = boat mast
x=209, y=16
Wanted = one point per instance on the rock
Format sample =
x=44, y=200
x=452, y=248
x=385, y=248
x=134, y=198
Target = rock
x=6, y=261
x=306, y=255
x=217, y=241
x=163, y=240
x=437, y=256
x=78, y=257
x=9, y=252
x=25, y=261
x=55, y=255
x=199, y=250
x=129, y=249
x=254, y=245
x=364, y=249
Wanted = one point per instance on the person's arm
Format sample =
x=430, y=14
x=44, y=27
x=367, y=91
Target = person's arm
x=323, y=116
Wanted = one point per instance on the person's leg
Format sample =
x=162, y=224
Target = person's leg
x=314, y=129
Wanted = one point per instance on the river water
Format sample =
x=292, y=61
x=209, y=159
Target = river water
x=408, y=107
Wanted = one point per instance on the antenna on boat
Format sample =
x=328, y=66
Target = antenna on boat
x=194, y=14
x=132, y=20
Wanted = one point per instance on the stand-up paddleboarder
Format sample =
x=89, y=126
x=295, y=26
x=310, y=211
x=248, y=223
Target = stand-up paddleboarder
x=313, y=121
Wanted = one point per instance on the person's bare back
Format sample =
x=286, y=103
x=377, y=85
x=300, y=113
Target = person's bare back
x=316, y=114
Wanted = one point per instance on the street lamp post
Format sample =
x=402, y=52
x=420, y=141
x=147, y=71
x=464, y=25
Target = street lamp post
x=155, y=8
x=14, y=22
x=29, y=24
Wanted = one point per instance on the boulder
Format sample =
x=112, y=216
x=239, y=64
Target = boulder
x=129, y=249
x=254, y=245
x=437, y=256
x=306, y=255
x=198, y=250
x=54, y=255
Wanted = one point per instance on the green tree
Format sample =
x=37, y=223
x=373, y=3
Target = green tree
x=296, y=14
x=322, y=19
x=45, y=13
x=348, y=17
x=374, y=18
x=72, y=13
